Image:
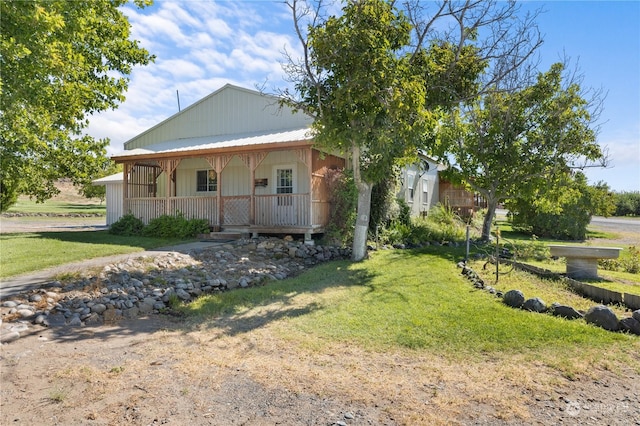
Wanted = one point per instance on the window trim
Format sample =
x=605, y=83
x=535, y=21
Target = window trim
x=410, y=189
x=215, y=184
x=294, y=183
x=425, y=191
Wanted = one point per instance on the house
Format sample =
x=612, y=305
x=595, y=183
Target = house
x=235, y=158
x=420, y=185
x=245, y=164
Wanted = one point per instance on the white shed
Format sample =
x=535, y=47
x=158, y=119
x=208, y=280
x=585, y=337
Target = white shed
x=113, y=197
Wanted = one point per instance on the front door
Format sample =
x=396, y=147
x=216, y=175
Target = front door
x=285, y=206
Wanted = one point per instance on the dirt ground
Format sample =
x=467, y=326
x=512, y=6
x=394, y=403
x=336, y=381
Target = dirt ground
x=242, y=370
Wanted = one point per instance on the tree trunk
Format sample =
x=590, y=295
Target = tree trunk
x=492, y=203
x=359, y=249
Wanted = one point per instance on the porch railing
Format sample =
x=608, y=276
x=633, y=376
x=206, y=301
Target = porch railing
x=195, y=208
x=145, y=208
x=191, y=207
x=270, y=210
x=283, y=210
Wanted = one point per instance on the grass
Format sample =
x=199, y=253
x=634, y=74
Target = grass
x=415, y=301
x=52, y=206
x=28, y=252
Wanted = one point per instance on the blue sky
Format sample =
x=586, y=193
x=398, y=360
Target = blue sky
x=200, y=46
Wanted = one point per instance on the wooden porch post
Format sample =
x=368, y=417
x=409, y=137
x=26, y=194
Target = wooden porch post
x=125, y=187
x=218, y=163
x=309, y=163
x=252, y=180
x=168, y=167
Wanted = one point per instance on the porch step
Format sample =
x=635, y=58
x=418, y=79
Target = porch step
x=221, y=235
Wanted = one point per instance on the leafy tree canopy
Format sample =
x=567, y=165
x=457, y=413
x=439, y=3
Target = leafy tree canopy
x=377, y=80
x=511, y=144
x=61, y=61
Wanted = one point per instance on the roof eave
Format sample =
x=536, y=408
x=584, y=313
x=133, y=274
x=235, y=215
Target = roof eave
x=275, y=146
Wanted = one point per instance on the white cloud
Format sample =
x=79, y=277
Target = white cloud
x=180, y=69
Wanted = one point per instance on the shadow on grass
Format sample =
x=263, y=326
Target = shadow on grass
x=233, y=312
x=93, y=237
x=240, y=311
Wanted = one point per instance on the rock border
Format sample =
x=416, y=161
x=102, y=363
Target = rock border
x=150, y=285
x=599, y=315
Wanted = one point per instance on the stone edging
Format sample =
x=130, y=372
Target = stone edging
x=146, y=285
x=599, y=315
x=592, y=292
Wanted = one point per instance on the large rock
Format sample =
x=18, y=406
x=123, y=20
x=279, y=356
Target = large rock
x=7, y=335
x=565, y=311
x=602, y=316
x=513, y=298
x=535, y=305
x=631, y=325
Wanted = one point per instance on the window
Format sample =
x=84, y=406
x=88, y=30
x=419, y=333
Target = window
x=206, y=181
x=284, y=181
x=411, y=180
x=425, y=191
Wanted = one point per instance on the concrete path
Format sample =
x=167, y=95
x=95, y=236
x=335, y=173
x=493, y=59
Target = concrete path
x=34, y=280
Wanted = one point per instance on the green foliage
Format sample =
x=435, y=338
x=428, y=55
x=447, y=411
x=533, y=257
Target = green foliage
x=164, y=226
x=404, y=216
x=441, y=225
x=89, y=190
x=127, y=225
x=384, y=206
x=61, y=62
x=343, y=200
x=520, y=143
x=627, y=203
x=8, y=192
x=562, y=214
x=176, y=226
x=628, y=262
x=530, y=250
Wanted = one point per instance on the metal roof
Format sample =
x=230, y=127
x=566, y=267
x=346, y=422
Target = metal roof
x=220, y=142
x=117, y=177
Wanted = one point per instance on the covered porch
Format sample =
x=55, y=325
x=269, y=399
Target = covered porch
x=279, y=189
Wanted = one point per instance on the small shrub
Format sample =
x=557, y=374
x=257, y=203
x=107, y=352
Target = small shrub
x=628, y=262
x=343, y=202
x=441, y=225
x=631, y=262
x=176, y=226
x=174, y=301
x=533, y=249
x=127, y=225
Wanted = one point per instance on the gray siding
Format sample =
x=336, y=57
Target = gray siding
x=230, y=110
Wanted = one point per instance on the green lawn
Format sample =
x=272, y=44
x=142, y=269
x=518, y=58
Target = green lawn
x=28, y=252
x=51, y=206
x=415, y=300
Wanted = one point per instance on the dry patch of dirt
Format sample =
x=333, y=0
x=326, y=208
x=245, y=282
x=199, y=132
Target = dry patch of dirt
x=242, y=370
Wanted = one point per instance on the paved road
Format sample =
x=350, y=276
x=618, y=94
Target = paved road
x=623, y=224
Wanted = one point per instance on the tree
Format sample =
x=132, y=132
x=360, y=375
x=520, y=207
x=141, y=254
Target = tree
x=513, y=144
x=89, y=190
x=563, y=212
x=61, y=61
x=377, y=79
